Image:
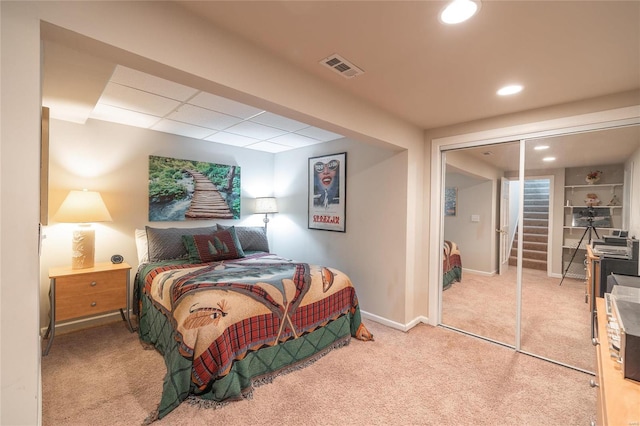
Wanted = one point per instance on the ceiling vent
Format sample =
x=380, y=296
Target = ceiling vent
x=340, y=65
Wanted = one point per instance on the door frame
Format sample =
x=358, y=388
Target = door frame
x=562, y=126
x=504, y=240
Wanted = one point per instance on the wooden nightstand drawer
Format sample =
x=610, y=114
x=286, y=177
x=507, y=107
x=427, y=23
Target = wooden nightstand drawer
x=90, y=294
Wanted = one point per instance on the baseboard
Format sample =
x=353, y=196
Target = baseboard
x=473, y=271
x=80, y=324
x=393, y=324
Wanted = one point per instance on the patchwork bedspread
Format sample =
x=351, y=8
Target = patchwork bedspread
x=222, y=326
x=451, y=264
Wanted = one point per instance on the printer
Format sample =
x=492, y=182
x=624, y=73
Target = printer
x=618, y=255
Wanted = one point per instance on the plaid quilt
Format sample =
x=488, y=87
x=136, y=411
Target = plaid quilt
x=222, y=325
x=451, y=264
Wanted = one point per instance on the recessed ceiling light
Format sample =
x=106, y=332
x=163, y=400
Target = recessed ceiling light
x=549, y=159
x=510, y=90
x=459, y=11
x=541, y=147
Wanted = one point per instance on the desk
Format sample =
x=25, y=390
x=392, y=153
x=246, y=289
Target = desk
x=618, y=398
x=593, y=275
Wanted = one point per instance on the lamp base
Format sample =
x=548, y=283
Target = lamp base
x=83, y=248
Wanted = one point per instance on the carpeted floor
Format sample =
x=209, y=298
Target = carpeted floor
x=555, y=318
x=427, y=376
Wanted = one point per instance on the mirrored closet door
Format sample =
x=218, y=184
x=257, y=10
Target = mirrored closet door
x=541, y=308
x=479, y=225
x=555, y=318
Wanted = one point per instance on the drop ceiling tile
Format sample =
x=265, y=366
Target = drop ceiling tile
x=319, y=134
x=203, y=117
x=268, y=147
x=136, y=100
x=183, y=129
x=279, y=122
x=231, y=139
x=123, y=116
x=255, y=130
x=224, y=105
x=294, y=140
x=152, y=84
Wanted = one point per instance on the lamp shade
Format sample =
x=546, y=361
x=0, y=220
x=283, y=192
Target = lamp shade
x=83, y=207
x=266, y=205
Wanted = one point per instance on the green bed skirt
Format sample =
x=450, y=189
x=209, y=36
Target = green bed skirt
x=257, y=366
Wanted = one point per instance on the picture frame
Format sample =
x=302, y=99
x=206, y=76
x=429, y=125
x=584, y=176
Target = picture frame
x=327, y=195
x=182, y=189
x=451, y=201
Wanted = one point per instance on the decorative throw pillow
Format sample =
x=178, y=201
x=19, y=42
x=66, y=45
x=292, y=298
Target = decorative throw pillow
x=166, y=243
x=223, y=245
x=252, y=238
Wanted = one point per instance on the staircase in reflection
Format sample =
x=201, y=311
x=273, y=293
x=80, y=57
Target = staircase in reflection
x=535, y=226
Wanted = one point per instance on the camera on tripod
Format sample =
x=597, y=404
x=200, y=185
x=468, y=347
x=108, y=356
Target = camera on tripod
x=589, y=213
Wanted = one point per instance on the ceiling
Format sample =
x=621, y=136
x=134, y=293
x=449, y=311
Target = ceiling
x=414, y=67
x=602, y=147
x=138, y=99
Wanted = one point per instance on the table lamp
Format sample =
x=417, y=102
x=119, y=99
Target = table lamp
x=266, y=205
x=83, y=207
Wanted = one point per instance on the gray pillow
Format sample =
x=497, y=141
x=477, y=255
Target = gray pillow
x=252, y=238
x=166, y=243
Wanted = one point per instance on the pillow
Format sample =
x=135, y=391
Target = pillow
x=252, y=238
x=142, y=247
x=166, y=243
x=222, y=245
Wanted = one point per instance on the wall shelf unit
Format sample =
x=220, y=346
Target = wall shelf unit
x=606, y=216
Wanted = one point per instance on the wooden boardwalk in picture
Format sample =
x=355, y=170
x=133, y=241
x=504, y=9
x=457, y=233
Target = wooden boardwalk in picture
x=207, y=203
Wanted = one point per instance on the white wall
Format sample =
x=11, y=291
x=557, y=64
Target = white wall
x=19, y=214
x=477, y=195
x=114, y=159
x=478, y=200
x=634, y=219
x=373, y=250
x=474, y=239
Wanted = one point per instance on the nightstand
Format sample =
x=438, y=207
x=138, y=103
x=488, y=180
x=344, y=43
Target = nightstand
x=78, y=293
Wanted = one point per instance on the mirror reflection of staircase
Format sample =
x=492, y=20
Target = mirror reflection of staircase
x=535, y=226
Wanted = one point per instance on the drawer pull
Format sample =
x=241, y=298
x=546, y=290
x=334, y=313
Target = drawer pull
x=593, y=383
x=94, y=303
x=93, y=283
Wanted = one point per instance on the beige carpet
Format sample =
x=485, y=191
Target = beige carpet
x=427, y=376
x=555, y=318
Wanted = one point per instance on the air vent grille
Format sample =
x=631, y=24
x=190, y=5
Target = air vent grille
x=341, y=66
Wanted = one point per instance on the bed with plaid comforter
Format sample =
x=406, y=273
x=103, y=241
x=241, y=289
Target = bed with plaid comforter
x=224, y=326
x=451, y=264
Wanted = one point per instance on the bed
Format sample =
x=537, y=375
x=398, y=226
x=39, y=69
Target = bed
x=228, y=315
x=451, y=264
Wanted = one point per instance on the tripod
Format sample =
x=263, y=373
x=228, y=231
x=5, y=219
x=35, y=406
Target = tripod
x=590, y=228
